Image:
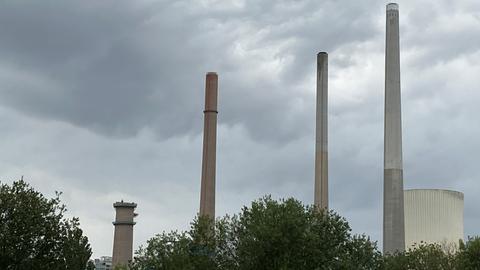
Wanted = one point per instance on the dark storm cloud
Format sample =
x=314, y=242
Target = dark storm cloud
x=116, y=68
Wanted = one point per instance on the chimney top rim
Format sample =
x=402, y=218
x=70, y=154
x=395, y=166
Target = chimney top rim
x=125, y=204
x=392, y=6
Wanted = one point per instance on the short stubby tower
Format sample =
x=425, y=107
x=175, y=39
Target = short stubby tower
x=321, y=134
x=393, y=207
x=123, y=236
x=207, y=192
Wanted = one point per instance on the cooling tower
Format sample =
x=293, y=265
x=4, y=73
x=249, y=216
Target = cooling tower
x=433, y=216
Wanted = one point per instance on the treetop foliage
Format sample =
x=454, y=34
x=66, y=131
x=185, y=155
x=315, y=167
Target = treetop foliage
x=35, y=234
x=267, y=235
x=287, y=235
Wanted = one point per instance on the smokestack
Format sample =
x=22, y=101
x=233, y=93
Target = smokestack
x=207, y=196
x=393, y=212
x=321, y=133
x=123, y=236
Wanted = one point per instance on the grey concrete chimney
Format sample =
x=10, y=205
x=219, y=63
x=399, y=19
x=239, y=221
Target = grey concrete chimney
x=393, y=212
x=321, y=133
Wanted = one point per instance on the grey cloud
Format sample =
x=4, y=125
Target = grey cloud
x=118, y=69
x=433, y=25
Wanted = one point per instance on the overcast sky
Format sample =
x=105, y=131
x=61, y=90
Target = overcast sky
x=103, y=100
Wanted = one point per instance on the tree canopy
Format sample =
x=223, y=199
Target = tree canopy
x=468, y=258
x=35, y=234
x=286, y=234
x=267, y=235
x=436, y=257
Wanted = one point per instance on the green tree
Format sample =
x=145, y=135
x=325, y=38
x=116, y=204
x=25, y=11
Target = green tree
x=421, y=257
x=34, y=234
x=468, y=257
x=204, y=246
x=362, y=253
x=165, y=251
x=90, y=265
x=288, y=235
x=267, y=235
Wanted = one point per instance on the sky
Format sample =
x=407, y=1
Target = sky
x=103, y=101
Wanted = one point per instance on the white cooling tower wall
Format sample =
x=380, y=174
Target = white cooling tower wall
x=433, y=216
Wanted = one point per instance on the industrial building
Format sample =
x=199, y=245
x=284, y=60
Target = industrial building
x=209, y=158
x=409, y=216
x=393, y=212
x=433, y=216
x=103, y=263
x=413, y=216
x=321, y=134
x=123, y=235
